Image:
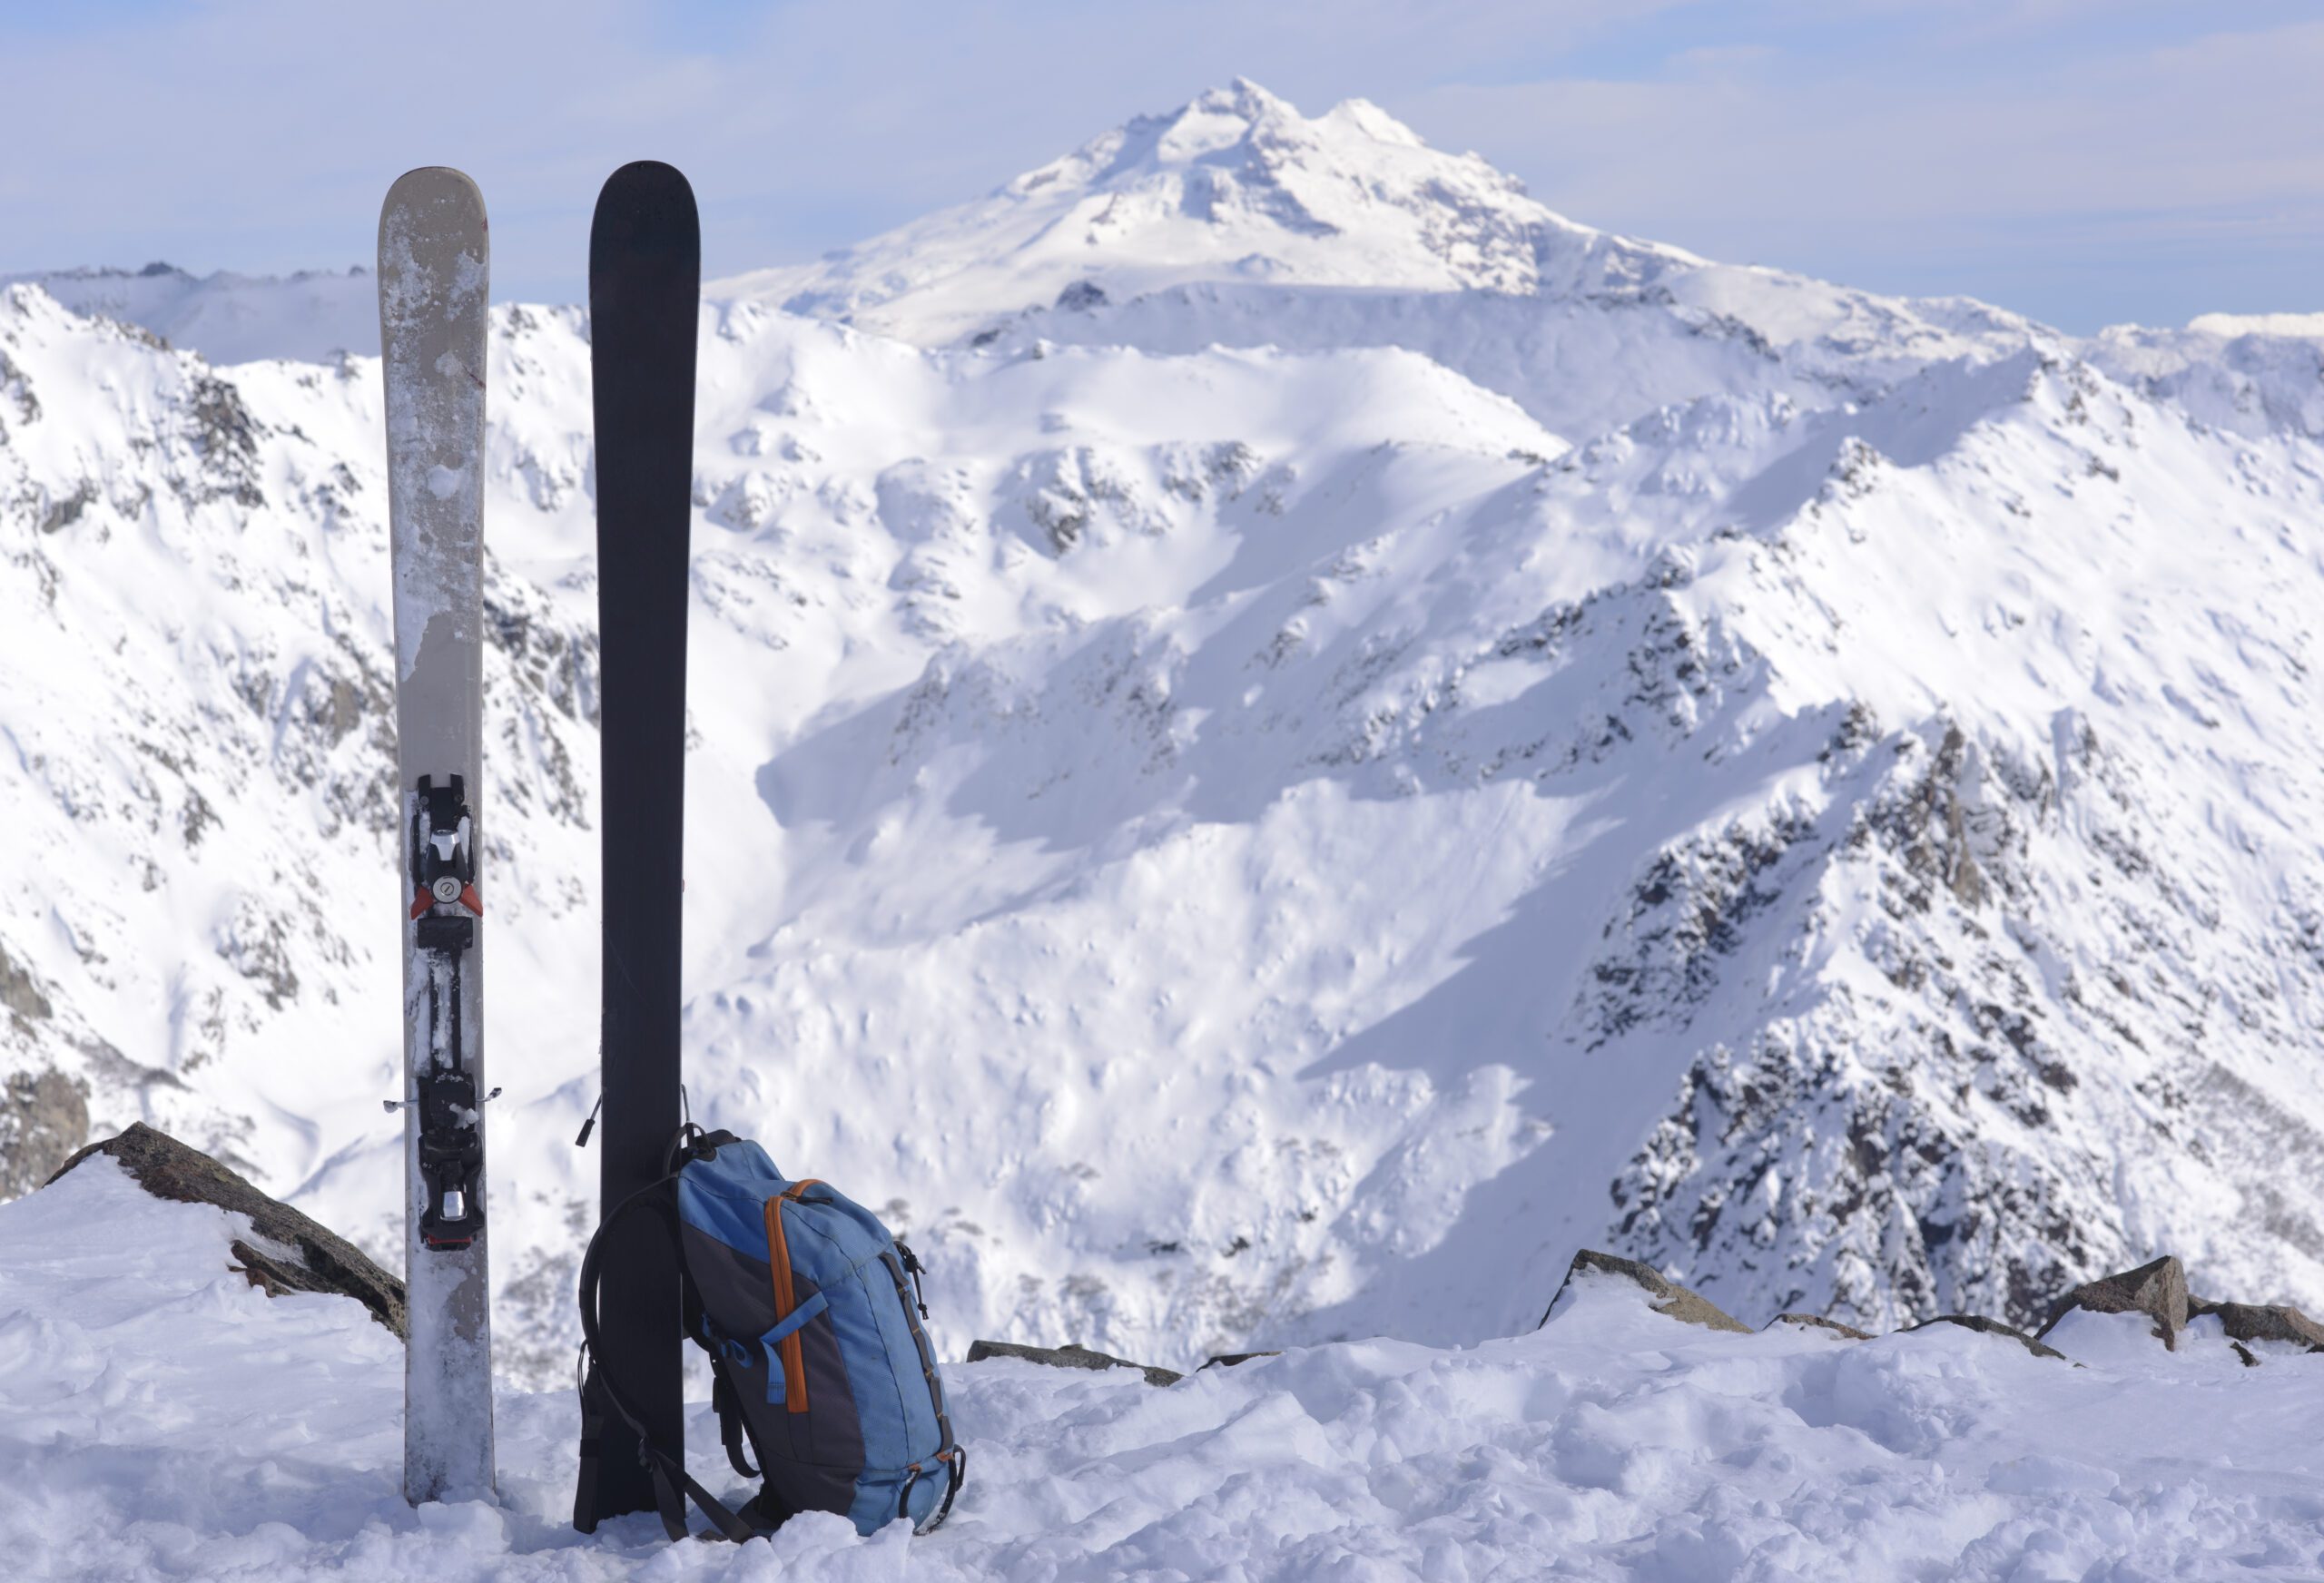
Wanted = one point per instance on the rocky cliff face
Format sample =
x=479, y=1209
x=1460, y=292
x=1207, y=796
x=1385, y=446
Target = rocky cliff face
x=1293, y=738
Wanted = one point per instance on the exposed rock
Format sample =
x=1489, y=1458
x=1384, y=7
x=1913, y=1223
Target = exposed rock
x=2257, y=1322
x=44, y=1118
x=227, y=438
x=20, y=992
x=1993, y=1327
x=1897, y=1118
x=1228, y=1360
x=2158, y=1290
x=1671, y=1298
x=1816, y=1321
x=1072, y=1355
x=64, y=511
x=286, y=1251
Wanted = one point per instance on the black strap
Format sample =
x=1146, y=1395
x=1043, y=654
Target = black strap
x=947, y=1452
x=669, y=1478
x=663, y=1469
x=957, y=1461
x=730, y=1418
x=669, y=1474
x=593, y=1428
x=667, y=1502
x=913, y=1267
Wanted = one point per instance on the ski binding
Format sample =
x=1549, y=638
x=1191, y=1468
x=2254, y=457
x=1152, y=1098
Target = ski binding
x=444, y=911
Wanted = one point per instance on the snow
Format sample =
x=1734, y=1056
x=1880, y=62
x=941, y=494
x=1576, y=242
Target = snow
x=1271, y=807
x=160, y=1418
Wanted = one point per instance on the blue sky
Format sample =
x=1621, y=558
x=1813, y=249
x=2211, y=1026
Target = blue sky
x=2083, y=161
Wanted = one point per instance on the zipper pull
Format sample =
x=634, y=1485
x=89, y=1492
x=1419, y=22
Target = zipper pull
x=589, y=1126
x=913, y=1267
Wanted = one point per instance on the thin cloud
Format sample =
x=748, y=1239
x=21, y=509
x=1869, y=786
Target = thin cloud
x=1925, y=145
x=1771, y=160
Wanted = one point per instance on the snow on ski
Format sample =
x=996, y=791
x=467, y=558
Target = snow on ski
x=645, y=287
x=433, y=257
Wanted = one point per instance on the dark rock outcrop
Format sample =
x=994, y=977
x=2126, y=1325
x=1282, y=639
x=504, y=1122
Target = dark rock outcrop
x=1228, y=1360
x=1993, y=1327
x=1070, y=1356
x=2158, y=1290
x=1669, y=1297
x=2255, y=1322
x=1818, y=1321
x=287, y=1252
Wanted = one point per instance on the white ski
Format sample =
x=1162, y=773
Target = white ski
x=433, y=257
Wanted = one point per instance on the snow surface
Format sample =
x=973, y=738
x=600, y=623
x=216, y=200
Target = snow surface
x=1271, y=807
x=161, y=1418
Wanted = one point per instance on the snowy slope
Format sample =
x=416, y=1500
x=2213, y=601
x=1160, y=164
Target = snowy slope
x=160, y=1418
x=1272, y=806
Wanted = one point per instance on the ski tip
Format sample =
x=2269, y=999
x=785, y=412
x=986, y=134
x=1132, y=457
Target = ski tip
x=644, y=198
x=646, y=180
x=645, y=217
x=435, y=250
x=430, y=185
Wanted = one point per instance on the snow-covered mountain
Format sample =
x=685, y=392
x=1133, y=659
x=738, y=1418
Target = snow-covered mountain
x=313, y=316
x=1282, y=737
x=1235, y=187
x=1235, y=220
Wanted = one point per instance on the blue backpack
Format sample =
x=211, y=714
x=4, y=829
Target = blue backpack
x=811, y=1314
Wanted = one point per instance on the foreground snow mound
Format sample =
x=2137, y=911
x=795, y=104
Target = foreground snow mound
x=161, y=1418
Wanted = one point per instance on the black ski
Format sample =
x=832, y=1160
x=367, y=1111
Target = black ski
x=645, y=289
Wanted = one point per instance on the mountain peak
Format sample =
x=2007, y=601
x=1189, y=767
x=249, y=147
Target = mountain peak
x=1368, y=119
x=1240, y=129
x=1240, y=99
x=1234, y=186
x=1243, y=125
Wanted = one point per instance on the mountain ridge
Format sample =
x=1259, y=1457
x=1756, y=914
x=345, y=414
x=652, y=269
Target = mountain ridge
x=310, y=316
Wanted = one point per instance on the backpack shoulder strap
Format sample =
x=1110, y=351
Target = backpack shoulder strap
x=598, y=1393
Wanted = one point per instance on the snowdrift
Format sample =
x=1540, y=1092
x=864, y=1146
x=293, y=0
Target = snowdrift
x=162, y=1418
